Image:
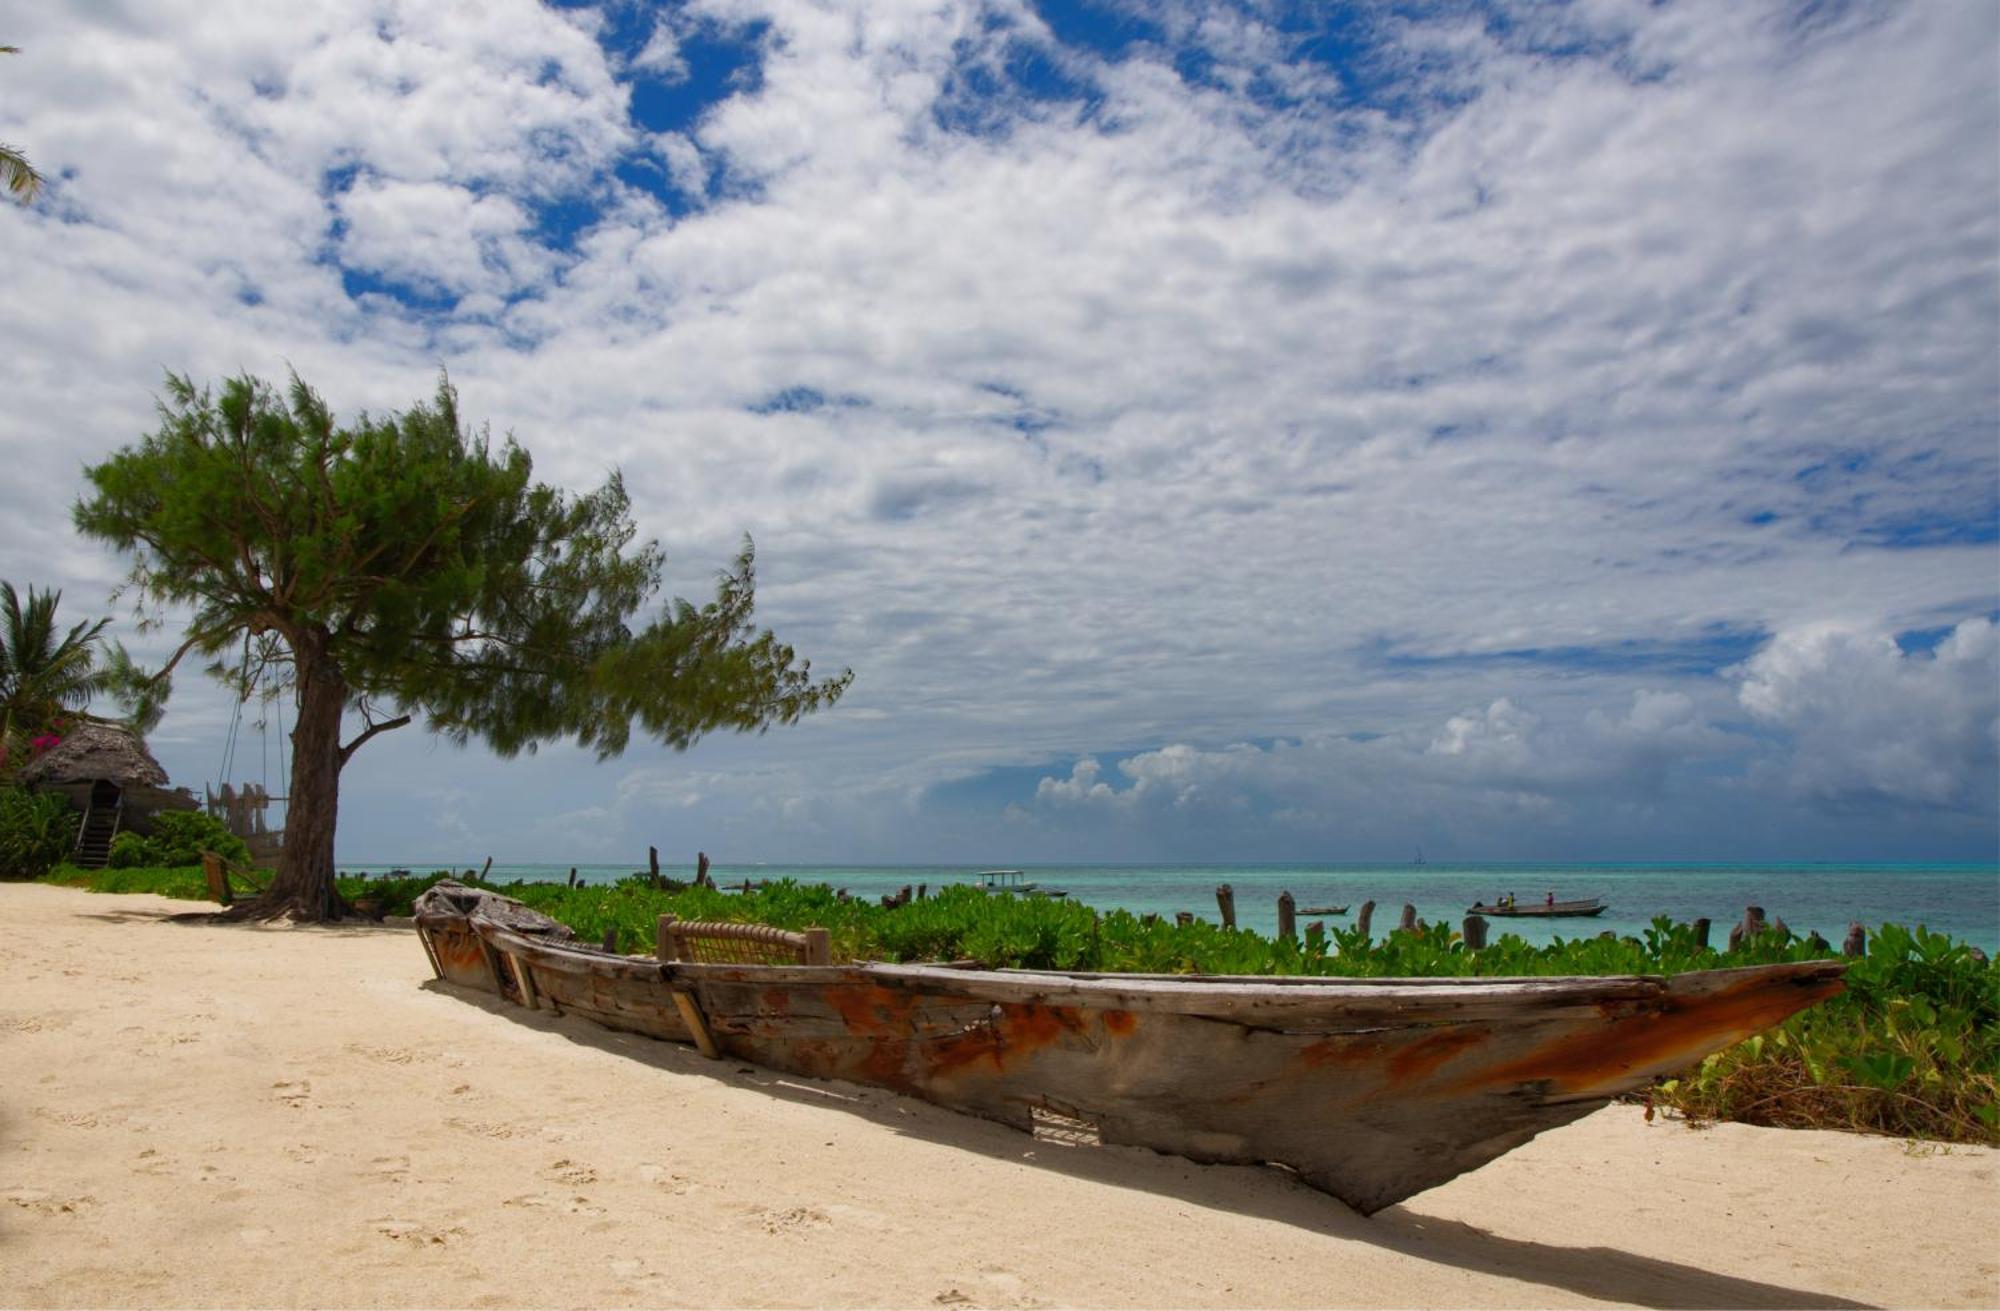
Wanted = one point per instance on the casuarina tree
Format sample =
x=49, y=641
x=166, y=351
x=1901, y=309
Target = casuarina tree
x=402, y=568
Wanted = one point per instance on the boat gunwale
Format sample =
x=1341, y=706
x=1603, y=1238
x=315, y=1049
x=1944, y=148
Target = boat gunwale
x=1155, y=991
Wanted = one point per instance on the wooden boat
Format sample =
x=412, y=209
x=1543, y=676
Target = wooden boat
x=1370, y=1089
x=1544, y=909
x=1322, y=910
x=1011, y=882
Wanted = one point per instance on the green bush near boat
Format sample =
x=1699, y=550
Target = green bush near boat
x=1911, y=1048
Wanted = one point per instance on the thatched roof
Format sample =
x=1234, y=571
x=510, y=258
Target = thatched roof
x=92, y=751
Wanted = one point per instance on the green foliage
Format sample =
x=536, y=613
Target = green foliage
x=128, y=851
x=1912, y=1048
x=37, y=830
x=178, y=838
x=422, y=566
x=185, y=882
x=46, y=675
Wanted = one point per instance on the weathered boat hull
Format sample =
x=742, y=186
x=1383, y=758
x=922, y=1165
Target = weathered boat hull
x=1372, y=1090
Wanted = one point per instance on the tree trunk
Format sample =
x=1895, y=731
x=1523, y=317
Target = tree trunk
x=304, y=888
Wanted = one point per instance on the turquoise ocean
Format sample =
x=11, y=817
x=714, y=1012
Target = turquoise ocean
x=1960, y=900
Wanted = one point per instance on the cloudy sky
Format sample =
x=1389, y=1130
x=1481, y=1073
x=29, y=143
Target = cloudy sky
x=1208, y=431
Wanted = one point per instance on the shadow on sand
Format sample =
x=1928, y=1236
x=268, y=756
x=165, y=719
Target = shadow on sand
x=1269, y=1194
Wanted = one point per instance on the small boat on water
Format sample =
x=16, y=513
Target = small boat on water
x=1370, y=1089
x=1322, y=910
x=1013, y=882
x=1548, y=909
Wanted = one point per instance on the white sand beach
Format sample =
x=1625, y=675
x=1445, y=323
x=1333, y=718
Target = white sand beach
x=200, y=1115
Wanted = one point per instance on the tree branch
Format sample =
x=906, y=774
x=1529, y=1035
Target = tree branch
x=369, y=732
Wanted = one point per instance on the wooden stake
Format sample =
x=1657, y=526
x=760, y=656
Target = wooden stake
x=1409, y=922
x=218, y=878
x=1361, y=921
x=1857, y=940
x=1475, y=932
x=1288, y=912
x=1700, y=927
x=700, y=868
x=653, y=864
x=819, y=947
x=486, y=869
x=1225, y=902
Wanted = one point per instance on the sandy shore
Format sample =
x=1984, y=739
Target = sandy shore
x=239, y=1116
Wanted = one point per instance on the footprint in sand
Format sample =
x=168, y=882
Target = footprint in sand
x=70, y=1119
x=293, y=1093
x=151, y=1162
x=37, y=1202
x=389, y=1055
x=415, y=1233
x=568, y=1172
x=792, y=1219
x=573, y=1205
x=666, y=1180
x=389, y=1169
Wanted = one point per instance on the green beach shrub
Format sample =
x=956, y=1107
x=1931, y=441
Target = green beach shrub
x=37, y=830
x=178, y=839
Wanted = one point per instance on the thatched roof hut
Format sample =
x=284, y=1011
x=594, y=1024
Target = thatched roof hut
x=91, y=751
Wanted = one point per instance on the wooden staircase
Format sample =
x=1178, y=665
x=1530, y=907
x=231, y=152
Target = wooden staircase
x=94, y=834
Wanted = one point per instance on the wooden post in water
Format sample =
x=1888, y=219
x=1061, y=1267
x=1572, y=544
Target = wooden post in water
x=1783, y=929
x=1361, y=921
x=1753, y=921
x=922, y=890
x=1857, y=940
x=1475, y=933
x=1408, y=923
x=1225, y=901
x=1182, y=918
x=1701, y=932
x=572, y=876
x=1816, y=942
x=653, y=864
x=486, y=869
x=700, y=869
x=1288, y=916
x=1319, y=925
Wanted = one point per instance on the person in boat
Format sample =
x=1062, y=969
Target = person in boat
x=1552, y=899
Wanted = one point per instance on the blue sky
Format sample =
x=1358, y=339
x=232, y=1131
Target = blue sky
x=1247, y=431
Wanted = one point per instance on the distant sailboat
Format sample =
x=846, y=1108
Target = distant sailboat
x=1420, y=857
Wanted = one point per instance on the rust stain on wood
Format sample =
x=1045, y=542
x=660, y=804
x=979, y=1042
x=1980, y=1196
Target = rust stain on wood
x=1420, y=1059
x=1675, y=1028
